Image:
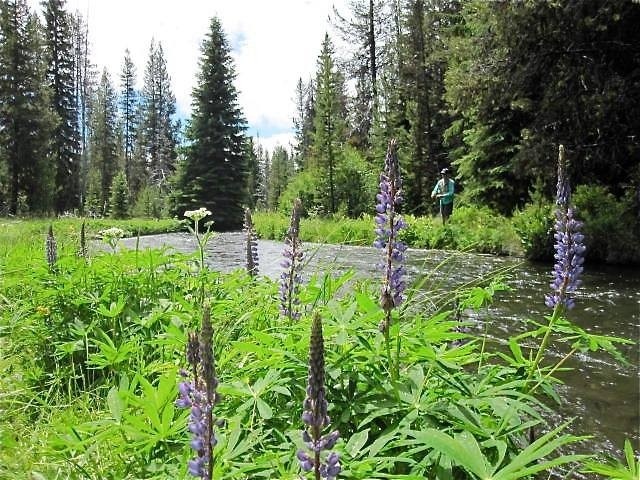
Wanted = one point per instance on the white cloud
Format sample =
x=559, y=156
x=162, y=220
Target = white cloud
x=279, y=42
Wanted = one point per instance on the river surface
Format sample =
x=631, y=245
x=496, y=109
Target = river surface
x=601, y=394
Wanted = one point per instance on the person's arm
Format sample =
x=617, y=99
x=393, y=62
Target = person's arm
x=434, y=192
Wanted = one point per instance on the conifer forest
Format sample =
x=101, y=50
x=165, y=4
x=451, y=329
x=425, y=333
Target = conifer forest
x=124, y=362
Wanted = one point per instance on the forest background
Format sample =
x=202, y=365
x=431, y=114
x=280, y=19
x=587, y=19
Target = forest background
x=489, y=89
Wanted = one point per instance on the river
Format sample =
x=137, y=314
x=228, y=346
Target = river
x=601, y=394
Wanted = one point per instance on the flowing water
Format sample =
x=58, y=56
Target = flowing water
x=600, y=393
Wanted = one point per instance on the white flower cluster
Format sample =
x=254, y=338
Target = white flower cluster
x=113, y=232
x=197, y=215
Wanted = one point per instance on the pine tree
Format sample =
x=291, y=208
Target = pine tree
x=329, y=127
x=303, y=122
x=280, y=172
x=128, y=116
x=104, y=138
x=215, y=172
x=26, y=123
x=59, y=53
x=157, y=131
x=119, y=200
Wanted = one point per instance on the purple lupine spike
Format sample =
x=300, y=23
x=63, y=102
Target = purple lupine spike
x=388, y=225
x=291, y=278
x=315, y=414
x=569, y=245
x=51, y=248
x=199, y=394
x=251, y=245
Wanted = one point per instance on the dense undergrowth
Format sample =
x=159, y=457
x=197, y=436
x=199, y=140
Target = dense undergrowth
x=91, y=350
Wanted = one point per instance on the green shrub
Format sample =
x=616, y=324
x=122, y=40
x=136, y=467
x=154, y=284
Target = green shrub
x=534, y=225
x=608, y=225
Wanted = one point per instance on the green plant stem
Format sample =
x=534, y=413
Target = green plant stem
x=556, y=367
x=545, y=340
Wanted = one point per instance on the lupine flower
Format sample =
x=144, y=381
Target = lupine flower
x=252, y=244
x=290, y=278
x=315, y=414
x=569, y=246
x=388, y=225
x=199, y=394
x=51, y=248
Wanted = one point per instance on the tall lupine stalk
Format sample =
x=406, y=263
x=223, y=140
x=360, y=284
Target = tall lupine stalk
x=569, y=256
x=51, y=249
x=290, y=278
x=315, y=414
x=388, y=225
x=82, y=252
x=251, y=244
x=199, y=394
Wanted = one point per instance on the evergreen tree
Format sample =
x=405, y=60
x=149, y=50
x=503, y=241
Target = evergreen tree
x=119, y=199
x=157, y=131
x=85, y=80
x=303, y=122
x=253, y=172
x=104, y=138
x=59, y=53
x=26, y=124
x=329, y=127
x=280, y=172
x=128, y=116
x=527, y=76
x=215, y=172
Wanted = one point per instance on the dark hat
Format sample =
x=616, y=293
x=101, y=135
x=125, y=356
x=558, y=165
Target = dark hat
x=444, y=171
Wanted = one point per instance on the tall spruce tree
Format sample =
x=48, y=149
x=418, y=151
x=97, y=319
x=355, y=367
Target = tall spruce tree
x=329, y=126
x=253, y=172
x=59, y=54
x=157, y=131
x=214, y=174
x=104, y=139
x=85, y=81
x=128, y=121
x=303, y=122
x=26, y=123
x=280, y=172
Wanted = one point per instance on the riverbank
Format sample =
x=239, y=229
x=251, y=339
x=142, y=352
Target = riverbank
x=475, y=230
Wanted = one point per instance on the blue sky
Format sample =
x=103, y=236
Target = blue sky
x=274, y=42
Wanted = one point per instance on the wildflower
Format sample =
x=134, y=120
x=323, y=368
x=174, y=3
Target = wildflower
x=82, y=252
x=111, y=236
x=292, y=263
x=569, y=246
x=199, y=394
x=197, y=215
x=315, y=414
x=51, y=248
x=388, y=225
x=252, y=244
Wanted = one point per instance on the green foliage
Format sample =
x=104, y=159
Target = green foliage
x=151, y=203
x=93, y=350
x=534, y=225
x=616, y=470
x=608, y=226
x=119, y=201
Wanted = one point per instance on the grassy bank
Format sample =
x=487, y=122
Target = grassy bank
x=469, y=229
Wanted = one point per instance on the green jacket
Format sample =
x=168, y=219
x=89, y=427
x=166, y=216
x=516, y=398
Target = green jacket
x=448, y=190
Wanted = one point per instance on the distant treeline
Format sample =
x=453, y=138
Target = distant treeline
x=489, y=89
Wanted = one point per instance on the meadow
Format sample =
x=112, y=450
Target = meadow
x=93, y=346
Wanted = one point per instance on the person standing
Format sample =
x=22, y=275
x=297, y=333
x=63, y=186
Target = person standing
x=444, y=190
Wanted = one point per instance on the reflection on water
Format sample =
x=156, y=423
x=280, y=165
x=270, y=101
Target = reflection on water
x=603, y=395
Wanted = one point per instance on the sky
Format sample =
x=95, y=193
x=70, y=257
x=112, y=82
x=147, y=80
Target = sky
x=274, y=42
